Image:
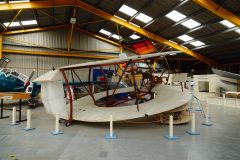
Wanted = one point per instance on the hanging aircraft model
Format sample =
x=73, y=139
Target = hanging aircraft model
x=13, y=81
x=226, y=74
x=123, y=102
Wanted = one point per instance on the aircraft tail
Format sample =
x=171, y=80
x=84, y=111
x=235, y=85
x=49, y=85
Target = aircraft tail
x=52, y=93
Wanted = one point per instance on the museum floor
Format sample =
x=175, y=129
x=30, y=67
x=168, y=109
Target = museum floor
x=86, y=141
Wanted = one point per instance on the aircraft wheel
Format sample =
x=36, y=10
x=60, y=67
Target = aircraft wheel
x=67, y=124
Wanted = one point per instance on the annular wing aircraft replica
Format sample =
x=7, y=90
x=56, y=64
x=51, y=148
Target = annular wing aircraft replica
x=122, y=100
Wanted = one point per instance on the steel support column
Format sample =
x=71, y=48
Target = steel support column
x=218, y=10
x=1, y=46
x=71, y=32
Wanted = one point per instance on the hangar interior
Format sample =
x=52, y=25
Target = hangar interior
x=38, y=38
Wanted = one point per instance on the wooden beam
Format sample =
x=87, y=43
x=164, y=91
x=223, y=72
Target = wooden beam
x=219, y=11
x=57, y=54
x=144, y=32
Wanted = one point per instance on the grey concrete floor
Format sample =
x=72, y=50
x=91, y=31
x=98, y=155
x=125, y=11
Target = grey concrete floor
x=135, y=141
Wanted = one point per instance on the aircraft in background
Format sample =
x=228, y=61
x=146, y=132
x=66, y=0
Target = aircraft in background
x=13, y=81
x=226, y=74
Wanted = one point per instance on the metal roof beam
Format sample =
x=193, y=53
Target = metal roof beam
x=57, y=54
x=36, y=4
x=218, y=10
x=146, y=33
x=219, y=43
x=216, y=33
x=35, y=29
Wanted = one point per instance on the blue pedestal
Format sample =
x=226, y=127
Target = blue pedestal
x=171, y=137
x=193, y=133
x=28, y=129
x=56, y=133
x=114, y=136
x=207, y=124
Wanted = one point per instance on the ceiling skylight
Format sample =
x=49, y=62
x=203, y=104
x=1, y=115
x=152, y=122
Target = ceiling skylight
x=127, y=10
x=134, y=36
x=19, y=1
x=144, y=18
x=134, y=24
x=175, y=16
x=190, y=23
x=238, y=30
x=185, y=38
x=103, y=31
x=227, y=23
x=197, y=43
x=116, y=36
x=13, y=24
x=29, y=22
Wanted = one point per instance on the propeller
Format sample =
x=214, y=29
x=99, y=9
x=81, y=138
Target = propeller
x=28, y=80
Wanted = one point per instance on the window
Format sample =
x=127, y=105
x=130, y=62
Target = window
x=144, y=18
x=29, y=22
x=13, y=24
x=197, y=43
x=127, y=10
x=190, y=23
x=203, y=86
x=238, y=30
x=185, y=38
x=19, y=1
x=116, y=36
x=134, y=36
x=103, y=31
x=227, y=23
x=175, y=16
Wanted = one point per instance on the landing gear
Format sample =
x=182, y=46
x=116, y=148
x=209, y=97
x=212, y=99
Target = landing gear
x=32, y=103
x=67, y=123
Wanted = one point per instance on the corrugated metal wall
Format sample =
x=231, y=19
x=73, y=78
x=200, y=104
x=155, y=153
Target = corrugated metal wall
x=53, y=39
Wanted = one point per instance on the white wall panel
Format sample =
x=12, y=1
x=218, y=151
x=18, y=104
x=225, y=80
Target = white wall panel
x=54, y=39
